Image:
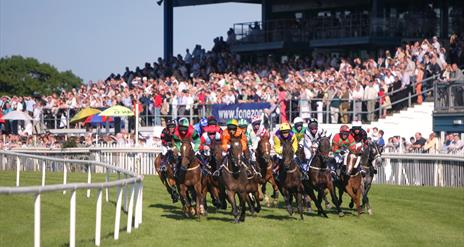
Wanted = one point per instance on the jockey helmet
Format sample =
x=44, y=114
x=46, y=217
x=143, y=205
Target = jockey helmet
x=344, y=129
x=183, y=122
x=285, y=127
x=298, y=120
x=212, y=120
x=171, y=123
x=232, y=124
x=312, y=123
x=242, y=123
x=203, y=122
x=256, y=120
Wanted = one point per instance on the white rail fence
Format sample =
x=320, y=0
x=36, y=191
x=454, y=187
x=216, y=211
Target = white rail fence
x=444, y=170
x=132, y=184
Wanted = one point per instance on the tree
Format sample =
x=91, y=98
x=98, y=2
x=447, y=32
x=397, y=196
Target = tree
x=27, y=76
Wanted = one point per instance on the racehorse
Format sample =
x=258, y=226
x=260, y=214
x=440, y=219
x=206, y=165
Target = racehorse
x=320, y=178
x=374, y=160
x=352, y=180
x=234, y=177
x=265, y=164
x=211, y=183
x=189, y=175
x=290, y=178
x=164, y=167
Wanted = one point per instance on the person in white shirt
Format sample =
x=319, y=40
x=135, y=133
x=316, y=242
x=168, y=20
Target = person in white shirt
x=370, y=94
x=357, y=96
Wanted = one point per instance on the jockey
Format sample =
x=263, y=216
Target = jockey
x=233, y=131
x=342, y=142
x=210, y=133
x=255, y=131
x=201, y=125
x=213, y=122
x=359, y=134
x=299, y=130
x=284, y=132
x=312, y=136
x=362, y=140
x=184, y=132
x=167, y=136
x=167, y=140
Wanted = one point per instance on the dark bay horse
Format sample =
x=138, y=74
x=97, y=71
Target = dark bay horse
x=189, y=175
x=320, y=178
x=265, y=164
x=164, y=167
x=211, y=183
x=233, y=175
x=290, y=178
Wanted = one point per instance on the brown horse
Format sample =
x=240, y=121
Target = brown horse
x=164, y=168
x=353, y=180
x=320, y=178
x=211, y=183
x=266, y=164
x=233, y=175
x=189, y=175
x=290, y=178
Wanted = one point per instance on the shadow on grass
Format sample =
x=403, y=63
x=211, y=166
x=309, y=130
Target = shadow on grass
x=279, y=217
x=163, y=206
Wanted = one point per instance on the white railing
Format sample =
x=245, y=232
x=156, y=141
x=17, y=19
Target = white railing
x=441, y=170
x=399, y=168
x=130, y=178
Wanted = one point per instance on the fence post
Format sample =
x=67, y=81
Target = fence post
x=98, y=218
x=118, y=214
x=43, y=172
x=131, y=209
x=107, y=179
x=18, y=167
x=65, y=176
x=72, y=220
x=409, y=99
x=37, y=220
x=354, y=110
x=137, y=204
x=141, y=202
x=89, y=179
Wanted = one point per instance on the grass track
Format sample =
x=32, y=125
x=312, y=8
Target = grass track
x=403, y=216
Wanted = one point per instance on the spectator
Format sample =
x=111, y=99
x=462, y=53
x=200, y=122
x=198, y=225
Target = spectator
x=431, y=146
x=419, y=143
x=370, y=95
x=456, y=145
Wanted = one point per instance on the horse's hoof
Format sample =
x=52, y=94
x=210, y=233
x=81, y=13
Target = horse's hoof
x=341, y=214
x=328, y=206
x=369, y=211
x=351, y=205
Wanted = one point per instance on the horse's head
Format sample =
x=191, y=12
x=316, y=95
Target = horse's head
x=375, y=154
x=324, y=147
x=287, y=152
x=264, y=147
x=235, y=150
x=186, y=153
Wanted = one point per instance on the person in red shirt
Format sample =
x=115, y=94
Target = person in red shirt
x=157, y=103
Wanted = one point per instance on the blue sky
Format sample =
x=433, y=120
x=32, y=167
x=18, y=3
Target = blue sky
x=94, y=38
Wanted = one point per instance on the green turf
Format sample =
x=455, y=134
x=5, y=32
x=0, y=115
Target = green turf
x=403, y=216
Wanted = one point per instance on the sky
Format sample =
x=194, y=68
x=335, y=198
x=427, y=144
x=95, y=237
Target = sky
x=94, y=38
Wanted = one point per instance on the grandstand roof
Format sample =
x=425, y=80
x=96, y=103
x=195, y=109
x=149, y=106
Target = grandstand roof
x=183, y=3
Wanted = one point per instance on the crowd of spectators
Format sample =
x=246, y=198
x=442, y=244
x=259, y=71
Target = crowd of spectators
x=418, y=144
x=187, y=84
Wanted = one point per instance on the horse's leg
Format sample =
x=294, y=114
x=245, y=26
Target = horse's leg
x=310, y=191
x=275, y=188
x=335, y=201
x=250, y=202
x=286, y=195
x=184, y=200
x=351, y=191
x=231, y=199
x=320, y=195
x=199, y=199
x=242, y=198
x=266, y=197
x=326, y=202
x=367, y=187
x=258, y=204
x=299, y=201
